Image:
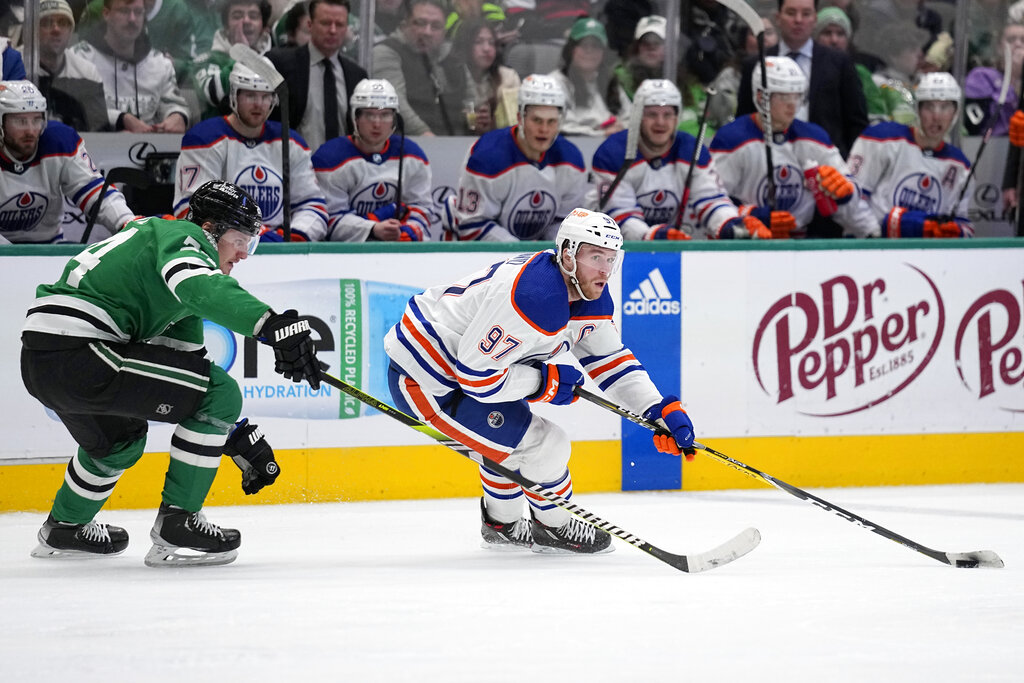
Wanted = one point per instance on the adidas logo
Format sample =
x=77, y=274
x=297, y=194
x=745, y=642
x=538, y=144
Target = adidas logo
x=652, y=297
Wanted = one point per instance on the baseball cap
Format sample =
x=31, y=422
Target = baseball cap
x=48, y=7
x=833, y=15
x=587, y=26
x=652, y=24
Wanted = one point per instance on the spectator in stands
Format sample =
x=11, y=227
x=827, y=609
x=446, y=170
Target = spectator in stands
x=645, y=56
x=468, y=10
x=595, y=103
x=981, y=88
x=726, y=84
x=321, y=81
x=835, y=100
x=12, y=20
x=244, y=21
x=431, y=88
x=542, y=27
x=797, y=147
x=491, y=89
x=244, y=148
x=913, y=179
x=360, y=174
x=40, y=164
x=181, y=29
x=901, y=48
x=71, y=84
x=293, y=28
x=834, y=30
x=139, y=82
x=520, y=182
x=620, y=18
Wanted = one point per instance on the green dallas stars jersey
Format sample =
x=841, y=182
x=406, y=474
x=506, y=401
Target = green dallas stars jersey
x=153, y=281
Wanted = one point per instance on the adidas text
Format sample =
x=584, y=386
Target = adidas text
x=652, y=307
x=652, y=297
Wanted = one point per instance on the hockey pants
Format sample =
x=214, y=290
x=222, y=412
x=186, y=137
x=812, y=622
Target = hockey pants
x=105, y=393
x=508, y=433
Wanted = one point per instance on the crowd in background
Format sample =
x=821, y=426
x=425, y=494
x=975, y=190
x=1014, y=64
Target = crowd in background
x=457, y=65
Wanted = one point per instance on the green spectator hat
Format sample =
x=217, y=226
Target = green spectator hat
x=587, y=26
x=833, y=15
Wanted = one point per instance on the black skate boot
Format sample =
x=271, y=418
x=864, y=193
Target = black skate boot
x=504, y=535
x=66, y=540
x=575, y=536
x=182, y=539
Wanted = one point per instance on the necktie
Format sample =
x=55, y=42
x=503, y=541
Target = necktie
x=330, y=101
x=795, y=56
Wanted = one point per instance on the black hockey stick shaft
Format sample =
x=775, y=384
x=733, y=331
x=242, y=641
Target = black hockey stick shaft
x=709, y=92
x=766, y=121
x=632, y=146
x=980, y=558
x=399, y=209
x=286, y=161
x=680, y=562
x=991, y=124
x=95, y=212
x=1020, y=170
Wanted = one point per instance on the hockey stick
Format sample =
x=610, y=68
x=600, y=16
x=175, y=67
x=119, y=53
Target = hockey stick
x=978, y=558
x=121, y=174
x=241, y=52
x=1020, y=169
x=709, y=92
x=632, y=140
x=400, y=123
x=732, y=549
x=993, y=117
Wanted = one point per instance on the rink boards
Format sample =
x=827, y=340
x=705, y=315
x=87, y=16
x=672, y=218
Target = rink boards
x=824, y=364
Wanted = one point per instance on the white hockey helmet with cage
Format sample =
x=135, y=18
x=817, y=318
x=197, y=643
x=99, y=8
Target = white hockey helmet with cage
x=244, y=78
x=20, y=97
x=938, y=87
x=658, y=92
x=583, y=226
x=373, y=93
x=783, y=76
x=540, y=90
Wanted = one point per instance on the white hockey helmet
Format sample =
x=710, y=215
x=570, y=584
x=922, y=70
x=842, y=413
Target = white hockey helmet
x=658, y=92
x=938, y=87
x=20, y=97
x=373, y=93
x=783, y=76
x=244, y=78
x=540, y=90
x=583, y=226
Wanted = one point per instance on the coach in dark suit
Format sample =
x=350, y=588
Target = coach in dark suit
x=320, y=81
x=835, y=96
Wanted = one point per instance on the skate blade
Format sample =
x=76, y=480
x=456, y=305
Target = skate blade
x=172, y=556
x=548, y=550
x=45, y=552
x=504, y=547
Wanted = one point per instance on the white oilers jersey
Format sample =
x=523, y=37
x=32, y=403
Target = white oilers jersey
x=738, y=150
x=651, y=190
x=503, y=196
x=893, y=170
x=357, y=185
x=213, y=150
x=485, y=334
x=32, y=193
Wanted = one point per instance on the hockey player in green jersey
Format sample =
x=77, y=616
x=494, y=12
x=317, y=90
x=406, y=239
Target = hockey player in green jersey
x=118, y=340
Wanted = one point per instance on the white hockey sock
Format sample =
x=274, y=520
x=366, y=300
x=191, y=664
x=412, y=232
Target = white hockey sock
x=502, y=497
x=547, y=513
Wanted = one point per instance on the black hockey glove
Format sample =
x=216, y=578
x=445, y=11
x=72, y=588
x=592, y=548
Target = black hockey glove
x=294, y=353
x=253, y=455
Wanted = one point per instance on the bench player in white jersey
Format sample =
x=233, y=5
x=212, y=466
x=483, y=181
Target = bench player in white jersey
x=520, y=182
x=470, y=357
x=646, y=201
x=361, y=174
x=797, y=147
x=244, y=148
x=40, y=164
x=911, y=178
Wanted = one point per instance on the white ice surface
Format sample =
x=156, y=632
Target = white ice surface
x=402, y=591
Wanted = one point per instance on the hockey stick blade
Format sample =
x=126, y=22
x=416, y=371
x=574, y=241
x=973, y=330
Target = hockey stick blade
x=240, y=52
x=970, y=560
x=724, y=554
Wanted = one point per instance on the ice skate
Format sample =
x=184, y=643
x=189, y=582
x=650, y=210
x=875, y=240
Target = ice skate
x=65, y=540
x=575, y=536
x=504, y=535
x=184, y=539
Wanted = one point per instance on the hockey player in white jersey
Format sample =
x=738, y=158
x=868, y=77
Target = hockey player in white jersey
x=469, y=358
x=520, y=182
x=40, y=164
x=363, y=174
x=646, y=201
x=803, y=157
x=912, y=179
x=245, y=149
